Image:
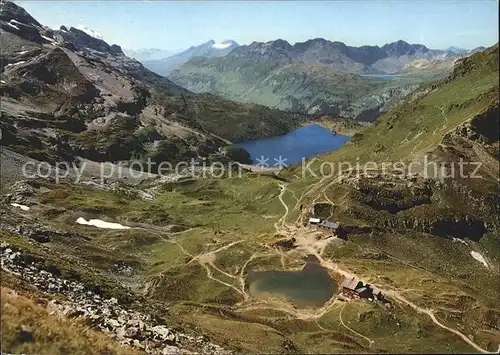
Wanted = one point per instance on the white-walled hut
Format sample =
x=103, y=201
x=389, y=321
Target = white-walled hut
x=314, y=220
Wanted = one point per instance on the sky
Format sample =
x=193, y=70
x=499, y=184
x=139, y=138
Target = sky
x=176, y=25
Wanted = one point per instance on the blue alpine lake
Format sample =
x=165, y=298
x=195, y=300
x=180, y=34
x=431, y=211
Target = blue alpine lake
x=301, y=143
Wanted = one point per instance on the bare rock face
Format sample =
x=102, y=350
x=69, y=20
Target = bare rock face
x=418, y=204
x=54, y=76
x=16, y=20
x=59, y=82
x=12, y=11
x=83, y=40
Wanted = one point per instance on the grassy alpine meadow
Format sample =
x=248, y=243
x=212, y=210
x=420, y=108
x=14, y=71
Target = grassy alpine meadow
x=359, y=250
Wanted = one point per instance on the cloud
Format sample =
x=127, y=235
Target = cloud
x=89, y=31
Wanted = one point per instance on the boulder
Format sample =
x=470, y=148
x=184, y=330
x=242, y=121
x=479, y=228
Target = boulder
x=170, y=350
x=131, y=332
x=113, y=323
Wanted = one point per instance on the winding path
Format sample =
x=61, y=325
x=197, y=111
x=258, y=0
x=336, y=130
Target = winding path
x=370, y=342
x=210, y=276
x=207, y=260
x=282, y=220
x=284, y=229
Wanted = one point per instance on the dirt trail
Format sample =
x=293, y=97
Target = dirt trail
x=282, y=220
x=210, y=255
x=401, y=298
x=323, y=184
x=370, y=342
x=210, y=276
x=430, y=313
x=308, y=243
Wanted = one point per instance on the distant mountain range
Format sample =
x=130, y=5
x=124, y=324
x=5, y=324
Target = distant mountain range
x=209, y=49
x=388, y=59
x=463, y=50
x=317, y=76
x=164, y=61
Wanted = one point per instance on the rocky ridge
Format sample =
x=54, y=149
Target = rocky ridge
x=388, y=59
x=318, y=76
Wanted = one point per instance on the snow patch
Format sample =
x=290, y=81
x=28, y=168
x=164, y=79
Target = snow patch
x=479, y=258
x=14, y=64
x=14, y=26
x=17, y=22
x=222, y=45
x=48, y=38
x=22, y=52
x=89, y=31
x=23, y=207
x=100, y=224
x=460, y=240
x=2, y=81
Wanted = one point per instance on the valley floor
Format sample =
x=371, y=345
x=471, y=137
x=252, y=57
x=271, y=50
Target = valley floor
x=199, y=268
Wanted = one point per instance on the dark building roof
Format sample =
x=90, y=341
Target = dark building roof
x=350, y=284
x=327, y=224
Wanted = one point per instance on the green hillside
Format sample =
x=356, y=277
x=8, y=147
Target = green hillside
x=296, y=86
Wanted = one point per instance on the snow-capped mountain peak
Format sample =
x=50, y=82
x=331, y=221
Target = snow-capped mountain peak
x=223, y=45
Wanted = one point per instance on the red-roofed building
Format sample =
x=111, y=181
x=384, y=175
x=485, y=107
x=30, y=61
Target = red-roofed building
x=349, y=287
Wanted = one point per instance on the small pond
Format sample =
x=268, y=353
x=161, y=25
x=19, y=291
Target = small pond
x=310, y=287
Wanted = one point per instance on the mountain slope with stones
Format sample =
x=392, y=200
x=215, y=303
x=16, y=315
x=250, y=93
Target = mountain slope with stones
x=128, y=327
x=67, y=94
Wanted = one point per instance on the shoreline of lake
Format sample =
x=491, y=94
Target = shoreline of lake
x=345, y=127
x=310, y=287
x=304, y=142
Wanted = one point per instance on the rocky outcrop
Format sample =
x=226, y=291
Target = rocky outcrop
x=420, y=205
x=84, y=41
x=53, y=76
x=11, y=11
x=16, y=20
x=129, y=327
